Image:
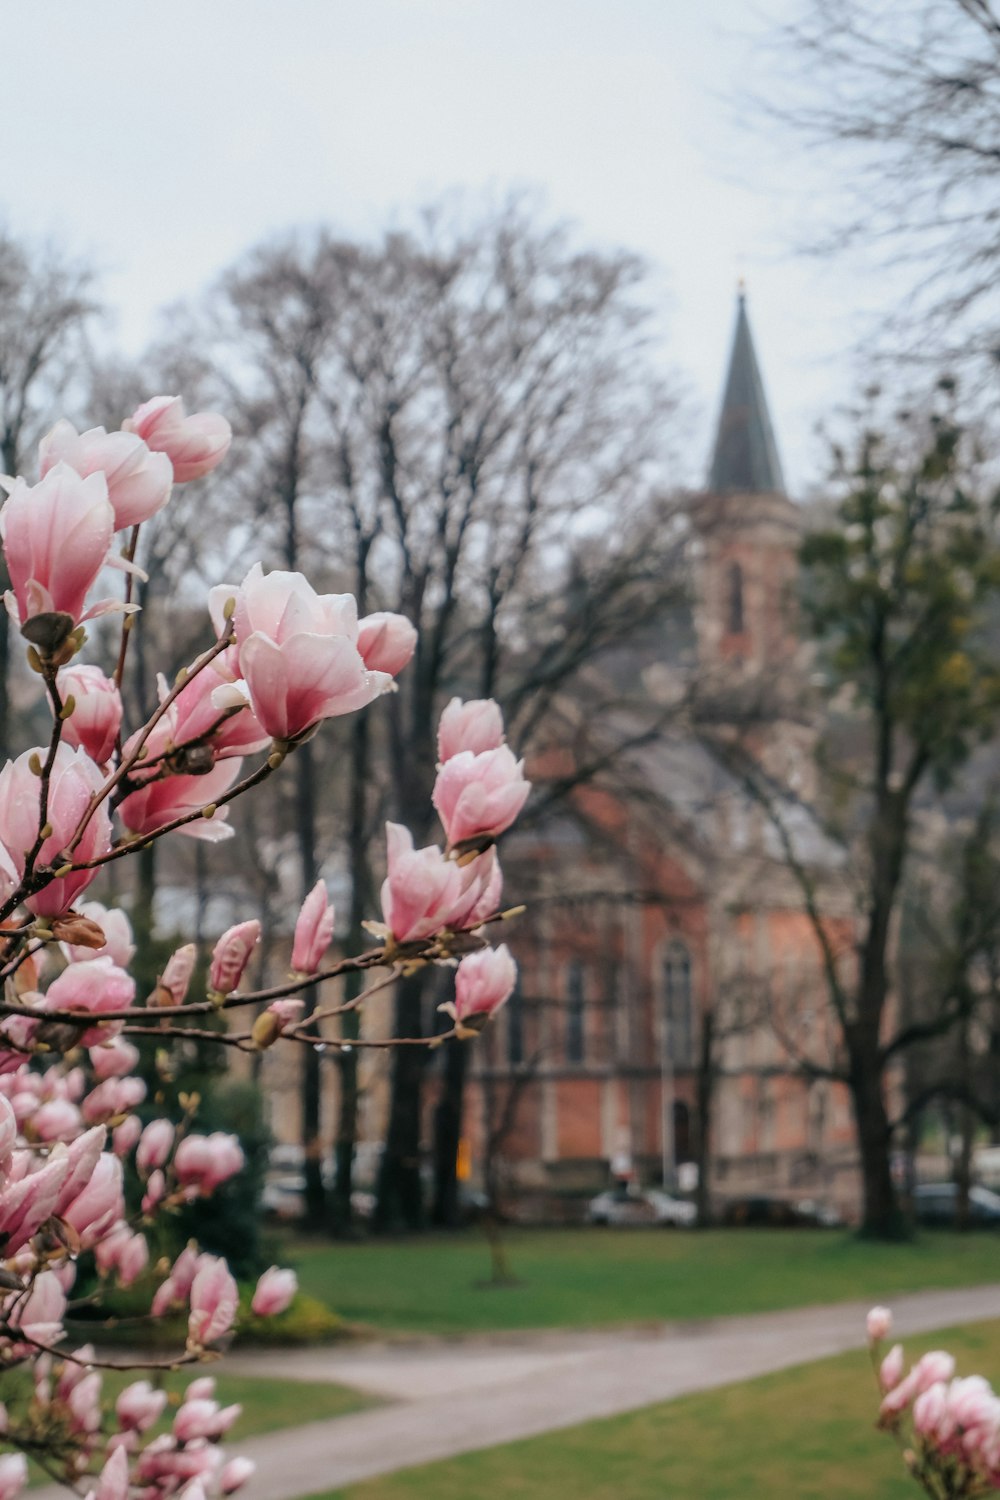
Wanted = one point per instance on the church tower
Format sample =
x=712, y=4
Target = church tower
x=748, y=533
x=748, y=529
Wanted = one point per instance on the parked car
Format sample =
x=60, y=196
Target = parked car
x=651, y=1206
x=762, y=1210
x=937, y=1203
x=284, y=1197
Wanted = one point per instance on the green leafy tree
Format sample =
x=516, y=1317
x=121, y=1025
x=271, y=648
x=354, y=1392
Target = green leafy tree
x=898, y=589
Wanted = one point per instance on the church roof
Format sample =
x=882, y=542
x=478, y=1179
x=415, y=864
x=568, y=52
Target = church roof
x=745, y=457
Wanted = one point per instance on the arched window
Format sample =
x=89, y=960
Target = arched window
x=734, y=599
x=574, y=1012
x=678, y=1004
x=515, y=1026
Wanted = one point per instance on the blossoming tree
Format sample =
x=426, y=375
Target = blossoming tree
x=281, y=659
x=947, y=1425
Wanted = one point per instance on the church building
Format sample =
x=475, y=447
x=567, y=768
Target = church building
x=672, y=995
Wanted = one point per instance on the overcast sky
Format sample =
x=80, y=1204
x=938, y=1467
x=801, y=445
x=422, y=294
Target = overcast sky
x=163, y=140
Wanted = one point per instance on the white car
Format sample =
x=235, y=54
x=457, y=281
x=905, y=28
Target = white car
x=649, y=1206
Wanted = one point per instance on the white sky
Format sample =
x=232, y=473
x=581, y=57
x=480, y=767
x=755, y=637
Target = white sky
x=164, y=140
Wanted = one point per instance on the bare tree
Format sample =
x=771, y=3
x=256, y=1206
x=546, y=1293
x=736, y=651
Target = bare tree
x=907, y=96
x=46, y=302
x=458, y=423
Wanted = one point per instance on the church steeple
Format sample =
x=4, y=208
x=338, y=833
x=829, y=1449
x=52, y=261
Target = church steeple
x=745, y=456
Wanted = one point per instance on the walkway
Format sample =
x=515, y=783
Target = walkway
x=456, y=1396
x=453, y=1396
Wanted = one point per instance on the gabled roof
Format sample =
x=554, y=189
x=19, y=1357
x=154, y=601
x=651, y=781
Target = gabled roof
x=745, y=457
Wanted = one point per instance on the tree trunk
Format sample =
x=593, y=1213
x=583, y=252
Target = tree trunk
x=446, y=1209
x=362, y=893
x=705, y=1086
x=312, y=1144
x=400, y=1191
x=145, y=965
x=881, y=1215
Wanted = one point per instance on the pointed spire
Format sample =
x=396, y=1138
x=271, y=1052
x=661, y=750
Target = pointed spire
x=745, y=457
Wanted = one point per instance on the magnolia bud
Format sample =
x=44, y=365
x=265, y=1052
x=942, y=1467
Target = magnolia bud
x=81, y=931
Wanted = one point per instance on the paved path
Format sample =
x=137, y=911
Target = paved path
x=456, y=1396
x=453, y=1396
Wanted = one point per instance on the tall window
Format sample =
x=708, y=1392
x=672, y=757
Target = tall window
x=515, y=1026
x=678, y=1004
x=574, y=1012
x=734, y=599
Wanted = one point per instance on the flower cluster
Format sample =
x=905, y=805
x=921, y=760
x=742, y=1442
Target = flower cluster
x=283, y=659
x=950, y=1424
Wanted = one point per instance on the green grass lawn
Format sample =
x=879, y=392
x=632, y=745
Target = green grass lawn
x=803, y=1434
x=587, y=1277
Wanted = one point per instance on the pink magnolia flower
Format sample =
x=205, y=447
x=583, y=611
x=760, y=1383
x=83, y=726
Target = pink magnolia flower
x=8, y=1135
x=93, y=1212
x=166, y=1464
x=209, y=720
x=56, y=538
x=195, y=444
x=56, y=1120
x=231, y=955
x=386, y=642
x=90, y=988
x=202, y=1162
x=424, y=892
x=201, y=1418
x=155, y=1146
x=298, y=652
x=113, y=1059
x=933, y=1367
x=475, y=726
x=156, y=1191
x=973, y=1403
x=879, y=1324
x=928, y=1409
x=97, y=714
x=139, y=1406
x=84, y=1402
x=123, y=1253
x=27, y=1204
x=202, y=1389
x=158, y=803
x=40, y=1315
x=117, y=929
x=478, y=796
x=313, y=931
x=13, y=1475
x=139, y=481
x=234, y=1474
x=286, y=1011
x=112, y=1482
x=177, y=973
x=274, y=1292
x=491, y=877
x=74, y=780
x=125, y=1135
x=891, y=1369
x=82, y=1158
x=214, y=1301
x=483, y=982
